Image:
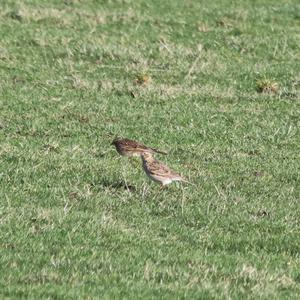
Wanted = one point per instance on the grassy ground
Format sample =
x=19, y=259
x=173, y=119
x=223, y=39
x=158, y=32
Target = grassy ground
x=183, y=76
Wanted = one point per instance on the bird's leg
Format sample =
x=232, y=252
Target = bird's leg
x=162, y=187
x=126, y=185
x=144, y=190
x=125, y=181
x=158, y=192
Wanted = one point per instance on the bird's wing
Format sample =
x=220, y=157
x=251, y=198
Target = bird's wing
x=159, y=169
x=138, y=147
x=132, y=145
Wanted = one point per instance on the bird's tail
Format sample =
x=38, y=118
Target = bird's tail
x=159, y=151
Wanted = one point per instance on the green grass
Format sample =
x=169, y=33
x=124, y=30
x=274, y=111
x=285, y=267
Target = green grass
x=69, y=227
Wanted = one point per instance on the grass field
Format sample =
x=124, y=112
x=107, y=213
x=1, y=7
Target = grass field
x=215, y=83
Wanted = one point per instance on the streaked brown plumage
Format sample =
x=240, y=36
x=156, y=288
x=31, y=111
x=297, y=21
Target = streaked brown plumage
x=159, y=172
x=128, y=147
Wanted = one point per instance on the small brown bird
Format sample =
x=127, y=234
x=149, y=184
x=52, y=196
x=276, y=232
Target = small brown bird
x=159, y=172
x=128, y=147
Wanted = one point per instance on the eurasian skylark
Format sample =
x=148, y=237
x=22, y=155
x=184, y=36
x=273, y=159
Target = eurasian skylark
x=128, y=147
x=159, y=172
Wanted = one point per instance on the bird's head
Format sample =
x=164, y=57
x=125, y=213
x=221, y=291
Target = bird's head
x=115, y=140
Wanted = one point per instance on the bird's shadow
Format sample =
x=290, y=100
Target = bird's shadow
x=114, y=184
